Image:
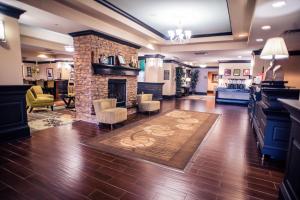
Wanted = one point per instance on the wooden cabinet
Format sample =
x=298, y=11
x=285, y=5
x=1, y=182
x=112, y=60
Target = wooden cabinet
x=271, y=122
x=290, y=187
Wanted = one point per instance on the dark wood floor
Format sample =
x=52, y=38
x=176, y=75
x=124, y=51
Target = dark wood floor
x=53, y=164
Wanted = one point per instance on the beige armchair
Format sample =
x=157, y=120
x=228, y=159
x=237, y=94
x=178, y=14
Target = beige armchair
x=107, y=112
x=146, y=104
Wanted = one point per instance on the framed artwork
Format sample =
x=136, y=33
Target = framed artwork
x=214, y=78
x=227, y=72
x=246, y=72
x=121, y=60
x=49, y=72
x=236, y=72
x=28, y=72
x=166, y=75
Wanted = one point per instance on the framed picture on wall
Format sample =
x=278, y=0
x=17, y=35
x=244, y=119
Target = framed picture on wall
x=166, y=75
x=28, y=72
x=227, y=72
x=236, y=72
x=49, y=72
x=246, y=72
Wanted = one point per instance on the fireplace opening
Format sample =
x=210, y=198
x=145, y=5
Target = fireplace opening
x=117, y=90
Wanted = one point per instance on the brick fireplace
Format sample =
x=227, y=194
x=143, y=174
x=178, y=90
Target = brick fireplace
x=89, y=45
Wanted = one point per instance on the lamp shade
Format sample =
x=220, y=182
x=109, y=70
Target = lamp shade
x=274, y=48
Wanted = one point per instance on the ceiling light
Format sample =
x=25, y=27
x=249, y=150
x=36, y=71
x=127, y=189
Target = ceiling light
x=180, y=35
x=239, y=57
x=2, y=31
x=278, y=4
x=42, y=56
x=202, y=65
x=259, y=40
x=69, y=48
x=267, y=27
x=243, y=35
x=150, y=46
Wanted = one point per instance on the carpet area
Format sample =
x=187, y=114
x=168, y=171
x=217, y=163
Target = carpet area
x=169, y=139
x=43, y=118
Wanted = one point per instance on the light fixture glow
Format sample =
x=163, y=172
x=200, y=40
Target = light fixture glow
x=69, y=48
x=259, y=40
x=243, y=35
x=150, y=46
x=42, y=56
x=266, y=27
x=202, y=65
x=2, y=31
x=278, y=4
x=239, y=57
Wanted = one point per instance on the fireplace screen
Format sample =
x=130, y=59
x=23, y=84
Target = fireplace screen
x=117, y=90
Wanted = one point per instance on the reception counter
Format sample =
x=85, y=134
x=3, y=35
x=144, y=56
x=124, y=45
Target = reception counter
x=290, y=187
x=234, y=96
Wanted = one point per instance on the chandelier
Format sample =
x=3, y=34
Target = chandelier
x=179, y=35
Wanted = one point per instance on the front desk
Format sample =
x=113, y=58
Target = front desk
x=234, y=96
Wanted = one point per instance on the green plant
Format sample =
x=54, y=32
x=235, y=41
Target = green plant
x=194, y=79
x=179, y=75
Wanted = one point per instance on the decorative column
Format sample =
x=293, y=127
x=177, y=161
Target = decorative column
x=13, y=116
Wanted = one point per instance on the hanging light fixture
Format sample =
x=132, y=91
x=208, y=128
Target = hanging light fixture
x=179, y=35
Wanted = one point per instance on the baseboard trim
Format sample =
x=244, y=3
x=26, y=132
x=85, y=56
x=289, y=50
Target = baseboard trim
x=168, y=96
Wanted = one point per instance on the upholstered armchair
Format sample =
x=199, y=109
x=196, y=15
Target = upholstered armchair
x=34, y=100
x=146, y=104
x=107, y=112
x=38, y=91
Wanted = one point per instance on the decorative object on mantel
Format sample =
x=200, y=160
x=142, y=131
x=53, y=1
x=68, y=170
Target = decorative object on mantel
x=102, y=69
x=133, y=62
x=111, y=60
x=274, y=49
x=120, y=60
x=103, y=59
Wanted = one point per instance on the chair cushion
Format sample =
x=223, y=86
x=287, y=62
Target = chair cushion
x=112, y=115
x=44, y=100
x=149, y=106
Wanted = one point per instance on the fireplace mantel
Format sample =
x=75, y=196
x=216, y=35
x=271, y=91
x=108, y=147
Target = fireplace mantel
x=102, y=69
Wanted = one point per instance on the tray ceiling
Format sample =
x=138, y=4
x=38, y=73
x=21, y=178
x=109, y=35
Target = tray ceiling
x=202, y=17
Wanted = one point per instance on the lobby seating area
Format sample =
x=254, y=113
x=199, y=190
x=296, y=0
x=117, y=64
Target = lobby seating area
x=150, y=100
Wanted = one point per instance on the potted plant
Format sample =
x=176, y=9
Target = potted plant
x=194, y=80
x=179, y=75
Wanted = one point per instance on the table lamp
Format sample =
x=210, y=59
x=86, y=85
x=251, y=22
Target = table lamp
x=274, y=49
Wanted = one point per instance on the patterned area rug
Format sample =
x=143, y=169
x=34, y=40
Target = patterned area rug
x=40, y=119
x=169, y=139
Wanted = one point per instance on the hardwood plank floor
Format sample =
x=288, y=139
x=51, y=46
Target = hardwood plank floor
x=54, y=164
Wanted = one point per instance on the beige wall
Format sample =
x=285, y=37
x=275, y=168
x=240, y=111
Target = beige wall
x=10, y=53
x=291, y=69
x=61, y=70
x=154, y=70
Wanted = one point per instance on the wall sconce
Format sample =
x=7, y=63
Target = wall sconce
x=2, y=31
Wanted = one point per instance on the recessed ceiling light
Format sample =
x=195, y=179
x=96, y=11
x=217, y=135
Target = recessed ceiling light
x=278, y=4
x=266, y=27
x=243, y=35
x=69, y=48
x=202, y=65
x=239, y=56
x=42, y=56
x=259, y=40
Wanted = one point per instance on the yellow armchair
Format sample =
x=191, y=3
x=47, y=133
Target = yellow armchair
x=34, y=100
